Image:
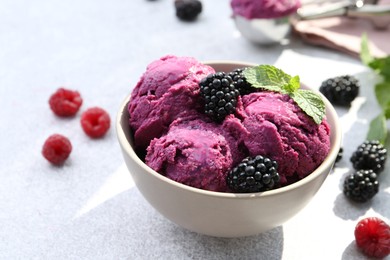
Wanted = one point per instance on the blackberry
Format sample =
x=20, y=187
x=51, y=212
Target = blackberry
x=339, y=155
x=253, y=175
x=340, y=90
x=219, y=94
x=188, y=10
x=361, y=186
x=240, y=82
x=369, y=155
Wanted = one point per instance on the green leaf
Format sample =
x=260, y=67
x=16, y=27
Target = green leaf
x=382, y=67
x=271, y=78
x=387, y=146
x=377, y=129
x=311, y=103
x=365, y=55
x=387, y=113
x=293, y=85
x=382, y=93
x=267, y=77
x=375, y=64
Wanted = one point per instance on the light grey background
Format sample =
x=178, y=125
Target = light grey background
x=89, y=208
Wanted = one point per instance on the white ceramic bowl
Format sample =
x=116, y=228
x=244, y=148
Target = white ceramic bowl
x=224, y=214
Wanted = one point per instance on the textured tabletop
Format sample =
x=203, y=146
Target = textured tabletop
x=89, y=208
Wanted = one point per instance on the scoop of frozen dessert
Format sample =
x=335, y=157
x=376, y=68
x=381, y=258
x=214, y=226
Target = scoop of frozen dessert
x=251, y=9
x=167, y=90
x=280, y=130
x=194, y=153
x=182, y=143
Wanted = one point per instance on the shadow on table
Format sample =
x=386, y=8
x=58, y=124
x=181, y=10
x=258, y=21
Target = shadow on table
x=349, y=210
x=127, y=227
x=268, y=245
x=352, y=252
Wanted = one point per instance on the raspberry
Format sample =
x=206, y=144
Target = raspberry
x=253, y=175
x=219, y=94
x=188, y=10
x=372, y=236
x=370, y=155
x=95, y=122
x=65, y=102
x=340, y=90
x=56, y=149
x=361, y=186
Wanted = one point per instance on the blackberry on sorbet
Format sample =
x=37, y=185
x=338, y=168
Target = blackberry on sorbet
x=253, y=174
x=188, y=10
x=361, y=186
x=240, y=82
x=219, y=95
x=371, y=154
x=341, y=90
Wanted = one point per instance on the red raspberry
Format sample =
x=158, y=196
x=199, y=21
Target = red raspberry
x=65, y=102
x=56, y=149
x=95, y=122
x=372, y=236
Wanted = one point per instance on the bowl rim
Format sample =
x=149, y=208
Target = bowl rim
x=329, y=160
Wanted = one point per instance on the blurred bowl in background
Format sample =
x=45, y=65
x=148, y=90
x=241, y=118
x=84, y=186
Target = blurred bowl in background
x=265, y=30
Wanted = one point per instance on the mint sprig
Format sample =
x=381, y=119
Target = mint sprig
x=377, y=128
x=271, y=78
x=267, y=77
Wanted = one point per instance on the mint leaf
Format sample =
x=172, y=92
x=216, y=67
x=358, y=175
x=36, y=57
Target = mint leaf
x=311, y=103
x=375, y=64
x=377, y=129
x=387, y=145
x=293, y=85
x=386, y=68
x=271, y=78
x=381, y=66
x=387, y=112
x=365, y=55
x=382, y=93
x=267, y=77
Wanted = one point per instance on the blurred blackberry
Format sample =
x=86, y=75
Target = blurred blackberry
x=253, y=175
x=219, y=94
x=361, y=186
x=339, y=155
x=369, y=155
x=340, y=90
x=240, y=82
x=188, y=10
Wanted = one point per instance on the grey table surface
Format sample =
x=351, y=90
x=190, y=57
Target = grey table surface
x=90, y=208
